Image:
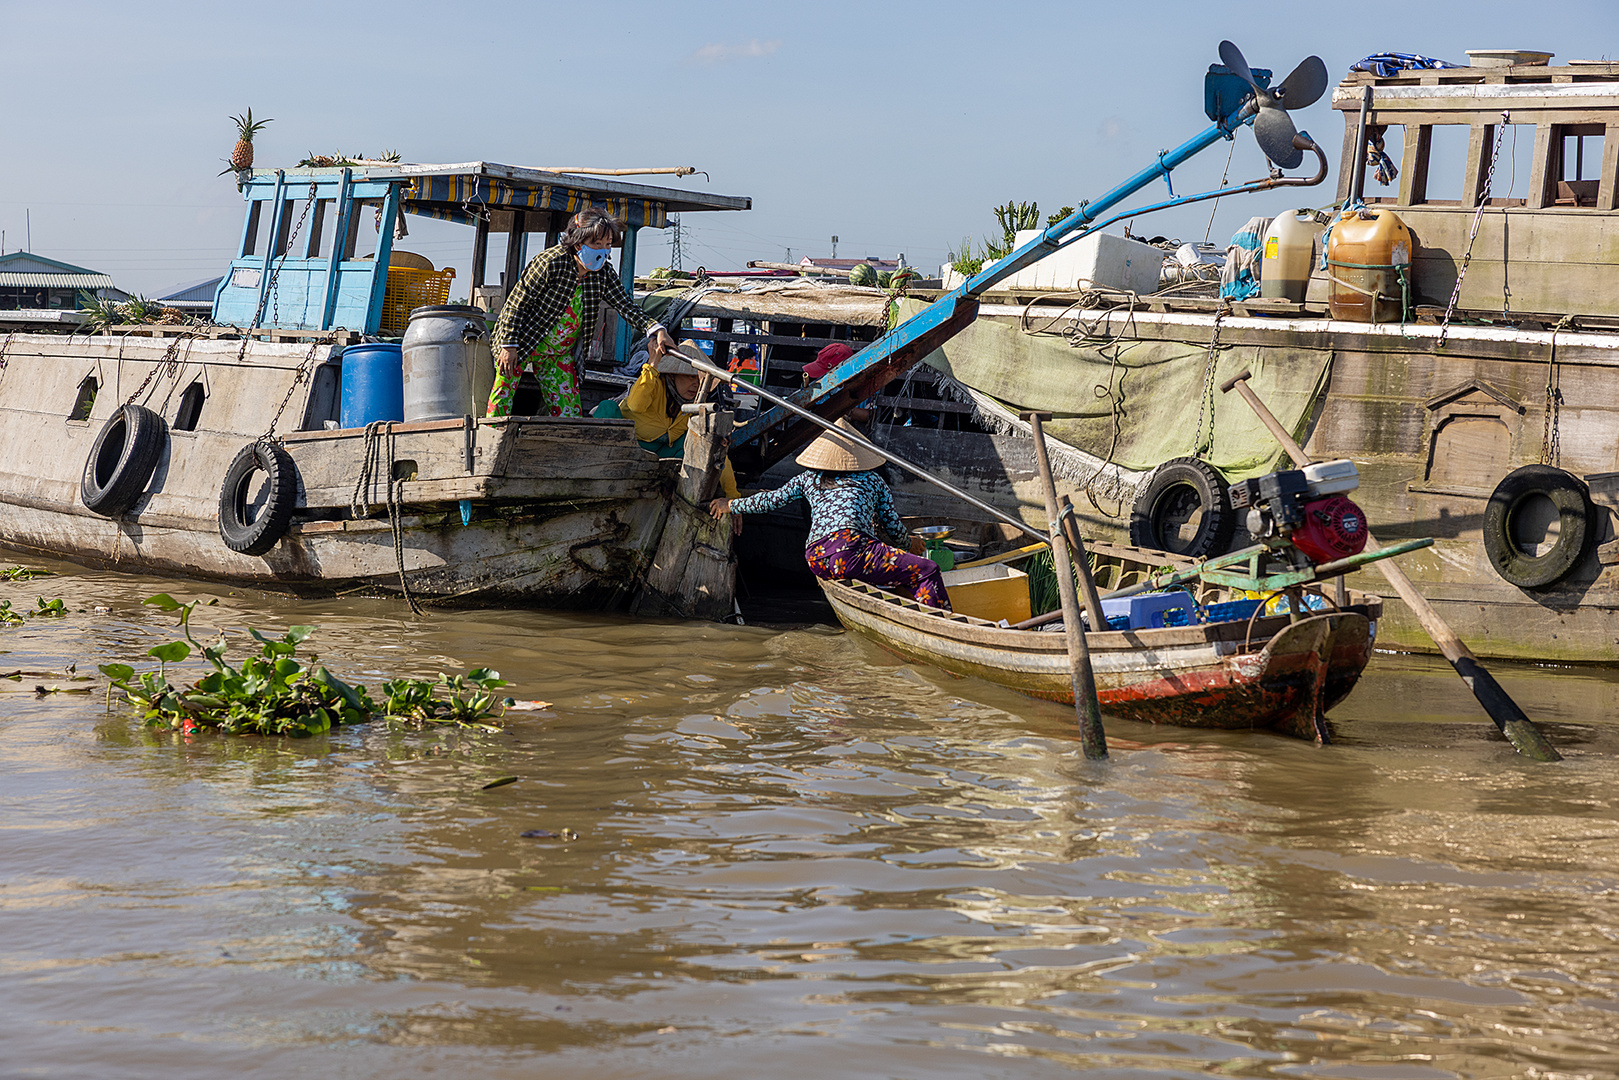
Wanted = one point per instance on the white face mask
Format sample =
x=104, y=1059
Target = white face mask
x=594, y=258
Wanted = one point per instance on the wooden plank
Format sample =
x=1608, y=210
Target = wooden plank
x=1480, y=142
x=1608, y=193
x=765, y=339
x=1414, y=164
x=514, y=250
x=1541, y=163
x=480, y=255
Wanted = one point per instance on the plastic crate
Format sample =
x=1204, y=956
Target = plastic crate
x=1228, y=611
x=409, y=289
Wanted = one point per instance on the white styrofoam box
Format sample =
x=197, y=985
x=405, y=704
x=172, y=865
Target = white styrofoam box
x=1098, y=259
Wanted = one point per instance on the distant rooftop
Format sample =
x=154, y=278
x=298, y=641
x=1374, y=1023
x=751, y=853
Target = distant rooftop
x=25, y=270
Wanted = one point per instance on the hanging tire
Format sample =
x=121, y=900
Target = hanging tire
x=122, y=460
x=1576, y=526
x=1183, y=510
x=251, y=521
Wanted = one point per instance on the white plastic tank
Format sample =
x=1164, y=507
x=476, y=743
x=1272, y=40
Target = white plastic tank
x=448, y=368
x=1289, y=255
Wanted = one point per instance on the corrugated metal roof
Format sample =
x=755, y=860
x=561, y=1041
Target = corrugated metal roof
x=55, y=281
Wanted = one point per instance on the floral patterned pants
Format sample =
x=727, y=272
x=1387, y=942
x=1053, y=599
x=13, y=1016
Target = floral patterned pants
x=559, y=381
x=852, y=555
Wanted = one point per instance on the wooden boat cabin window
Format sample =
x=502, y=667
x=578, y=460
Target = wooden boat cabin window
x=190, y=410
x=1574, y=170
x=86, y=399
x=1436, y=164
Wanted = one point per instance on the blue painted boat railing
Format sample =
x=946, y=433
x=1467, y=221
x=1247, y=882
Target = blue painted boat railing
x=269, y=285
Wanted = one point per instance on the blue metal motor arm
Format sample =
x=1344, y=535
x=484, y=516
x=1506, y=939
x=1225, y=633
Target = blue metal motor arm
x=857, y=378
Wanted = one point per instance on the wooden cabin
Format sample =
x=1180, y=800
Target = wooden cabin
x=1548, y=239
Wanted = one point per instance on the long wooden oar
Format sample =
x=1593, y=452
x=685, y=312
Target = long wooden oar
x=1512, y=721
x=915, y=470
x=1092, y=739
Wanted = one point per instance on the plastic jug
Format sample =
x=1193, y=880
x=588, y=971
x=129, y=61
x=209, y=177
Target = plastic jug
x=1289, y=255
x=1368, y=253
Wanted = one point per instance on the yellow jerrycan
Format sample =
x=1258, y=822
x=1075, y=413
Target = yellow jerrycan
x=1369, y=255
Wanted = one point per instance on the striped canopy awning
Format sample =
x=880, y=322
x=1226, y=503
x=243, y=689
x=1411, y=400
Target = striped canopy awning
x=55, y=281
x=461, y=198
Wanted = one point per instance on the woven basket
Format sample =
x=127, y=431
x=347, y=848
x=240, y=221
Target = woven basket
x=408, y=290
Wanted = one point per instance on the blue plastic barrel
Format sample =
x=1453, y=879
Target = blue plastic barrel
x=373, y=384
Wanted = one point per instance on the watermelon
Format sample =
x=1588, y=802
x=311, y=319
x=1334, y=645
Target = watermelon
x=863, y=274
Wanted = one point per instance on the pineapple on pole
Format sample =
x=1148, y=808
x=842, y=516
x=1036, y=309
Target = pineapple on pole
x=241, y=157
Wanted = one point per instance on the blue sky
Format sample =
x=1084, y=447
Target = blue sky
x=896, y=126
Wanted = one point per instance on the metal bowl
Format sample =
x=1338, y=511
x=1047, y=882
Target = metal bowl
x=940, y=533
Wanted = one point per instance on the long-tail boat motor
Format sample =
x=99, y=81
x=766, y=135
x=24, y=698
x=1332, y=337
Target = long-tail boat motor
x=1307, y=509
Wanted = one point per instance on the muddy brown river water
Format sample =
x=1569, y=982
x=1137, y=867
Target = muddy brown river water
x=794, y=858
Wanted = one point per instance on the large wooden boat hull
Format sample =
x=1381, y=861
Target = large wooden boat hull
x=523, y=510
x=1275, y=674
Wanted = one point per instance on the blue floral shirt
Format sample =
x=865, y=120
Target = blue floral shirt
x=858, y=501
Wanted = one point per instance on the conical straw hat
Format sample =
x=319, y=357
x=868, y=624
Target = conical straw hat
x=833, y=453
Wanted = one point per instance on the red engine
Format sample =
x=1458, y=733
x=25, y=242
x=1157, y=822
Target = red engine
x=1334, y=528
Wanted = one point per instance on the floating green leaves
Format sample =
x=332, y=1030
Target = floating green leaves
x=273, y=694
x=23, y=573
x=46, y=609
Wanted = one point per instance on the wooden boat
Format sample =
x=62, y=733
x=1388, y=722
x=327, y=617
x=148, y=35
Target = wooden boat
x=569, y=513
x=1275, y=673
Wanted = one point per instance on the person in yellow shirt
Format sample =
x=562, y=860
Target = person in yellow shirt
x=654, y=402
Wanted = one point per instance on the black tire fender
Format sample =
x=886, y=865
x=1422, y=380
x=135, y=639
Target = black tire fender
x=122, y=460
x=253, y=529
x=1168, y=495
x=1576, y=531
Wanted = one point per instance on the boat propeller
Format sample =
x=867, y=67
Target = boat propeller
x=1273, y=128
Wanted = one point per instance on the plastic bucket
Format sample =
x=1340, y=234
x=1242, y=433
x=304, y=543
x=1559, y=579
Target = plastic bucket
x=373, y=384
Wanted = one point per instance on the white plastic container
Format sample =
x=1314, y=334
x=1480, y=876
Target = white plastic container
x=1098, y=259
x=1289, y=255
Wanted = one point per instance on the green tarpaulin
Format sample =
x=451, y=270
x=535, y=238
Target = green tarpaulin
x=1162, y=390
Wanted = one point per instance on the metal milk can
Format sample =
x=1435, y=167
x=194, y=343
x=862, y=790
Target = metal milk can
x=447, y=364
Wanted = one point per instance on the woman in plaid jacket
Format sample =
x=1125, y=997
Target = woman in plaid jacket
x=551, y=315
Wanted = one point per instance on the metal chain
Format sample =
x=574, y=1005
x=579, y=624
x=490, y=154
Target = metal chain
x=1478, y=216
x=273, y=291
x=304, y=368
x=1551, y=439
x=169, y=362
x=1206, y=405
x=4, y=345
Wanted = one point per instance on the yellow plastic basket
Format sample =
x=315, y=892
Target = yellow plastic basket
x=409, y=289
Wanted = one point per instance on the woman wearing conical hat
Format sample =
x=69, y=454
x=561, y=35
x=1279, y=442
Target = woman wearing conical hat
x=849, y=507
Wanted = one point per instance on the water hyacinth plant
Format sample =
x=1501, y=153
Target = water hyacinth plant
x=274, y=694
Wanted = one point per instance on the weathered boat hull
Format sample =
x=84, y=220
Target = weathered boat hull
x=558, y=513
x=1197, y=676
